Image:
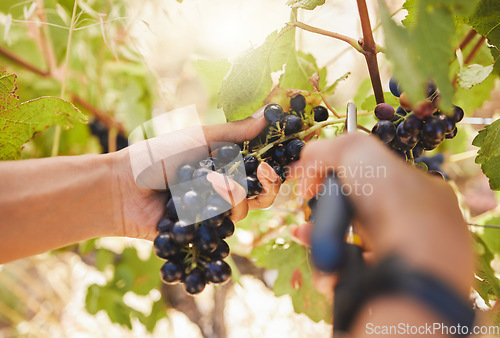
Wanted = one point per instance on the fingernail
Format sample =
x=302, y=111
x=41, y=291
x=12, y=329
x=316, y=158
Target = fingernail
x=258, y=113
x=268, y=173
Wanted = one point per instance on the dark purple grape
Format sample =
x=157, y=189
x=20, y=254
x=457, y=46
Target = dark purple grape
x=458, y=114
x=385, y=130
x=405, y=140
x=164, y=246
x=401, y=112
x=182, y=232
x=394, y=87
x=449, y=123
x=221, y=252
x=212, y=216
x=171, y=272
x=216, y=200
x=228, y=153
x=298, y=103
x=170, y=208
x=254, y=187
x=217, y=271
x=226, y=229
x=433, y=131
x=185, y=173
x=251, y=163
x=412, y=125
x=384, y=111
x=194, y=282
x=292, y=123
x=278, y=154
x=273, y=113
x=208, y=164
x=164, y=225
x=192, y=202
x=200, y=178
x=436, y=173
x=417, y=151
x=429, y=146
x=280, y=171
x=206, y=239
x=452, y=134
x=293, y=149
x=431, y=91
x=320, y=114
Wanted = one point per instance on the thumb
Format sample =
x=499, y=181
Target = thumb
x=236, y=131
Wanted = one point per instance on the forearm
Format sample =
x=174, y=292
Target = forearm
x=49, y=203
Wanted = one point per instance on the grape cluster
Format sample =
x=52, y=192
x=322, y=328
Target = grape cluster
x=102, y=133
x=192, y=232
x=411, y=130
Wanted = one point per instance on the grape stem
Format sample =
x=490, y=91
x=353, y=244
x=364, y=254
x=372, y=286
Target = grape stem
x=370, y=51
x=353, y=42
x=300, y=135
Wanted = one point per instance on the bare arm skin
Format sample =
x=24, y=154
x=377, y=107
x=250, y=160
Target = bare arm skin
x=52, y=202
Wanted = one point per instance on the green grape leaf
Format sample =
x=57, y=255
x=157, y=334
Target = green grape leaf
x=305, y=4
x=485, y=21
x=21, y=121
x=158, y=311
x=496, y=56
x=490, y=235
x=422, y=51
x=369, y=103
x=473, y=98
x=473, y=75
x=409, y=6
x=109, y=299
x=331, y=88
x=249, y=81
x=104, y=258
x=294, y=277
x=136, y=275
x=488, y=155
x=299, y=69
x=484, y=270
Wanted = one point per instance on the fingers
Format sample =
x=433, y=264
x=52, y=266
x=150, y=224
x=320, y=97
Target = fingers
x=271, y=184
x=236, y=131
x=231, y=192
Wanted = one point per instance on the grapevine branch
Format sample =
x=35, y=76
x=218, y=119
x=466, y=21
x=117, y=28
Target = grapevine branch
x=370, y=51
x=353, y=42
x=467, y=39
x=98, y=114
x=475, y=49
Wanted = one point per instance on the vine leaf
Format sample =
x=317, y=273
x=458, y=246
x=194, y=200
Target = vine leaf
x=249, y=81
x=488, y=156
x=131, y=274
x=473, y=75
x=305, y=4
x=21, y=121
x=488, y=284
x=485, y=21
x=294, y=278
x=299, y=69
x=421, y=51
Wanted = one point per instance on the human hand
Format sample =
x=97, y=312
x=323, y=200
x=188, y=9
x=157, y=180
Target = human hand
x=402, y=210
x=141, y=206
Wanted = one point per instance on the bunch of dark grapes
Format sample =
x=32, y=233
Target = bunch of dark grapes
x=411, y=130
x=102, y=133
x=192, y=232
